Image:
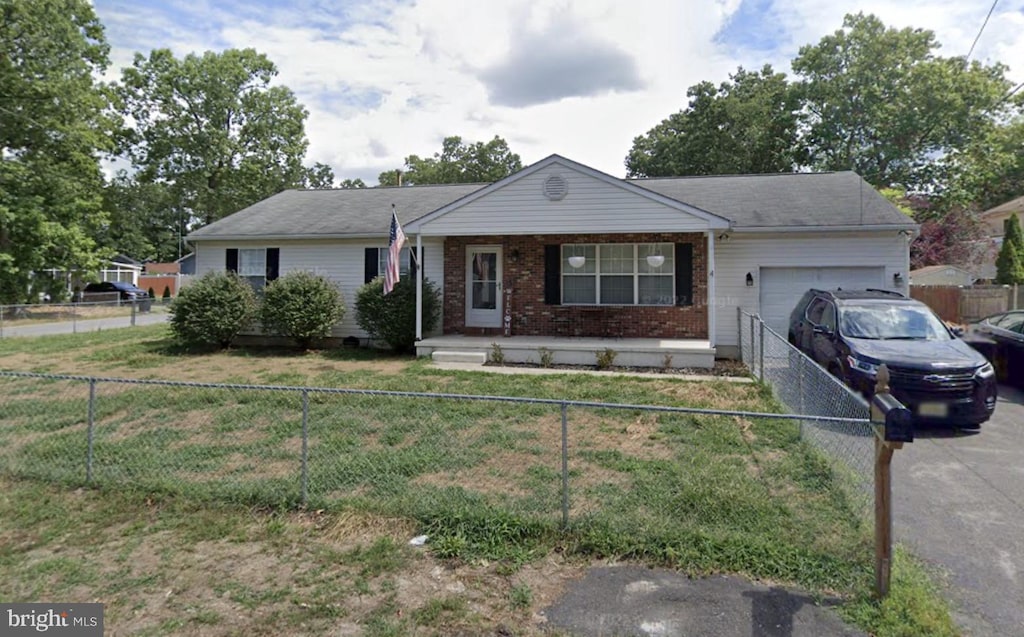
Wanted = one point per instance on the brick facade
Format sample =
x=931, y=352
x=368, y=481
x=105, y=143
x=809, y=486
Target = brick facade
x=532, y=317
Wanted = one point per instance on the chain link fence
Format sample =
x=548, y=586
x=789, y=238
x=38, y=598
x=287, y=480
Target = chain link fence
x=803, y=387
x=625, y=469
x=36, y=319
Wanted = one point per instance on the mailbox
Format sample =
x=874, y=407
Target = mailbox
x=896, y=419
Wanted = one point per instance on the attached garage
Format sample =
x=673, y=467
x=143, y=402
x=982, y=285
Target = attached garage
x=781, y=288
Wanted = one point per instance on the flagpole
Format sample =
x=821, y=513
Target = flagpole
x=419, y=289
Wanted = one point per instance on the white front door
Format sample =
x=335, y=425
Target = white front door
x=483, y=286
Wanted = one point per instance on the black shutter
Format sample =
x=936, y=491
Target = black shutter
x=684, y=274
x=232, y=259
x=370, y=265
x=273, y=263
x=552, y=275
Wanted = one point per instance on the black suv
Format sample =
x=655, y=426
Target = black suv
x=940, y=378
x=125, y=292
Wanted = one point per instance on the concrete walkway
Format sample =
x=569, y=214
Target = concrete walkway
x=90, y=325
x=540, y=371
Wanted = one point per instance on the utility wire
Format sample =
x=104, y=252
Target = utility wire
x=982, y=29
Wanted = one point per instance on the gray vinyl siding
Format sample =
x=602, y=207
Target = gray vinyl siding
x=741, y=254
x=591, y=206
x=339, y=261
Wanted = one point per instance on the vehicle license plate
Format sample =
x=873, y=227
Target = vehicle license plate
x=933, y=410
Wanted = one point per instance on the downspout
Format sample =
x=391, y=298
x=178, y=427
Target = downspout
x=419, y=287
x=711, y=288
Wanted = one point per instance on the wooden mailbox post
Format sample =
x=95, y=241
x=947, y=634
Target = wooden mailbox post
x=893, y=427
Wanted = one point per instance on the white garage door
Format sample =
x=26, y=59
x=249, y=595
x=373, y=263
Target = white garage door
x=781, y=288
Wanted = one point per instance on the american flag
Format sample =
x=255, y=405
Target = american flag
x=395, y=242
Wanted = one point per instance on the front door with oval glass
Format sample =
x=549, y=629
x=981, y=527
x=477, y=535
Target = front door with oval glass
x=483, y=286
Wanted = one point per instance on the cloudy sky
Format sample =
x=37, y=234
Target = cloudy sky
x=383, y=79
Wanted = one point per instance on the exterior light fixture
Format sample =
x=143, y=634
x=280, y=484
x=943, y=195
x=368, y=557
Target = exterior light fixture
x=750, y=280
x=897, y=278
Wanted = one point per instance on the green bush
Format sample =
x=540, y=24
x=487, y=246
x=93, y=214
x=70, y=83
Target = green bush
x=392, y=318
x=167, y=293
x=213, y=310
x=301, y=306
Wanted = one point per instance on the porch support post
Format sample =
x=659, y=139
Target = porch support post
x=419, y=287
x=711, y=288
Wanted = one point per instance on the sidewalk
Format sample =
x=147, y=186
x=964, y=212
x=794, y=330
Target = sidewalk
x=90, y=325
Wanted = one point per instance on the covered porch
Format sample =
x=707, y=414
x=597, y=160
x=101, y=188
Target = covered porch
x=629, y=352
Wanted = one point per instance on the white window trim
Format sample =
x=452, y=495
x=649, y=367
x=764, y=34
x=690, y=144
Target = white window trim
x=405, y=267
x=251, y=277
x=636, y=274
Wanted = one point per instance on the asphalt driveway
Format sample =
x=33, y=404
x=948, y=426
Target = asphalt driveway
x=959, y=506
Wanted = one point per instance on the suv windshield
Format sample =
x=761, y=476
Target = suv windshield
x=887, y=322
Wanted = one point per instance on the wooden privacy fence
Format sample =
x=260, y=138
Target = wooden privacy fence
x=957, y=304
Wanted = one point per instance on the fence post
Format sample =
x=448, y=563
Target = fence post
x=800, y=389
x=739, y=330
x=1, y=321
x=89, y=430
x=565, y=466
x=133, y=312
x=760, y=364
x=1015, y=287
x=305, y=447
x=753, y=338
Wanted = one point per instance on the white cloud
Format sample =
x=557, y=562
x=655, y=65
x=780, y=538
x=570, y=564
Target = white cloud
x=383, y=79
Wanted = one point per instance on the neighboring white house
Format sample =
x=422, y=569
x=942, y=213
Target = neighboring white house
x=941, y=275
x=561, y=250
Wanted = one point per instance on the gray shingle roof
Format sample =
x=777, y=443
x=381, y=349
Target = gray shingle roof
x=748, y=201
x=357, y=212
x=771, y=201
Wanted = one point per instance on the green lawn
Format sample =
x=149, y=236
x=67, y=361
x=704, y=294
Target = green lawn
x=483, y=479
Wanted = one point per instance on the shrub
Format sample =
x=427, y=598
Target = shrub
x=392, y=318
x=167, y=293
x=213, y=310
x=606, y=358
x=301, y=306
x=497, y=355
x=151, y=293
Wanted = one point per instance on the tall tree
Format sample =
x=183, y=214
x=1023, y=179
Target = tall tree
x=988, y=172
x=146, y=220
x=54, y=126
x=457, y=163
x=318, y=176
x=881, y=102
x=745, y=125
x=350, y=184
x=1010, y=262
x=213, y=128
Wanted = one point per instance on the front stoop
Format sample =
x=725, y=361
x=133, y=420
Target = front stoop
x=582, y=351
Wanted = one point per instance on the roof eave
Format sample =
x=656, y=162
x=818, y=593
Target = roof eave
x=895, y=227
x=284, y=237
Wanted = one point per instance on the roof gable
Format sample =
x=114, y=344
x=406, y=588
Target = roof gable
x=561, y=206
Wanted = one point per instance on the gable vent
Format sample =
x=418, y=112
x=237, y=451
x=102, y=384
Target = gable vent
x=556, y=187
